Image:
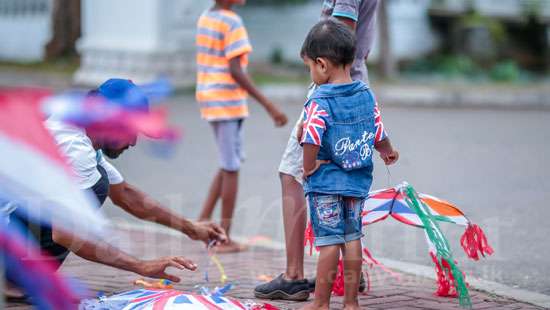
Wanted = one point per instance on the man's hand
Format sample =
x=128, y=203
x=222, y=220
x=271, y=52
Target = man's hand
x=390, y=158
x=207, y=232
x=279, y=118
x=157, y=268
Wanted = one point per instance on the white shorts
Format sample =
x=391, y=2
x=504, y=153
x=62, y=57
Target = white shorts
x=292, y=162
x=293, y=158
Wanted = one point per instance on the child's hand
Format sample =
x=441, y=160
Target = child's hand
x=318, y=164
x=390, y=158
x=279, y=118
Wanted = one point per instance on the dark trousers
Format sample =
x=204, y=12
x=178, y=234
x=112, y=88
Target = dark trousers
x=43, y=233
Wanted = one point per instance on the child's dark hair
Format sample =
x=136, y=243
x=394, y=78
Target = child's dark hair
x=330, y=39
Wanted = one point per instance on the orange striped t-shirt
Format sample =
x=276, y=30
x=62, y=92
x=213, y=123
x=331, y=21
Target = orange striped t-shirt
x=221, y=36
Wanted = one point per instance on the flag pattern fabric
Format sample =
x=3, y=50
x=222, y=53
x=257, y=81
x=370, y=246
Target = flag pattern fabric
x=147, y=299
x=391, y=201
x=379, y=125
x=314, y=125
x=34, y=175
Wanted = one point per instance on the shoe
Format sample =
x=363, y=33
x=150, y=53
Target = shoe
x=280, y=288
x=362, y=284
x=311, y=284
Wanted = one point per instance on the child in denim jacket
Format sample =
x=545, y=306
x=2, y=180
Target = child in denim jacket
x=342, y=126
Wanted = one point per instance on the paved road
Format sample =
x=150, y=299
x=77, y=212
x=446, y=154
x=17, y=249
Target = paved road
x=244, y=269
x=490, y=163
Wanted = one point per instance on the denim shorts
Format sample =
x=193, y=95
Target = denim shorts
x=336, y=219
x=228, y=135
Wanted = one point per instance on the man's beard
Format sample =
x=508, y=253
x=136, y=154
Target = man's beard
x=112, y=153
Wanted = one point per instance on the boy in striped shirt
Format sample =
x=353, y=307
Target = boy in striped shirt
x=222, y=90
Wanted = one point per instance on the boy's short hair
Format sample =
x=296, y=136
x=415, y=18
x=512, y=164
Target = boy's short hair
x=330, y=39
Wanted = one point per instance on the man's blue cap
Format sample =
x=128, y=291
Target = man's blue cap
x=124, y=93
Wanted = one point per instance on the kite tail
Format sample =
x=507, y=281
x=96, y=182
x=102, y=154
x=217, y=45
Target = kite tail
x=338, y=285
x=460, y=284
x=368, y=257
x=309, y=237
x=445, y=280
x=473, y=241
x=442, y=249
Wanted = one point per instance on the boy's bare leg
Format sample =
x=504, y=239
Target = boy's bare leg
x=352, y=273
x=294, y=217
x=214, y=194
x=229, y=189
x=230, y=186
x=326, y=272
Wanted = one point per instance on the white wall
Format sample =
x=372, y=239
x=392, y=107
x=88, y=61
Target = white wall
x=410, y=31
x=138, y=39
x=25, y=29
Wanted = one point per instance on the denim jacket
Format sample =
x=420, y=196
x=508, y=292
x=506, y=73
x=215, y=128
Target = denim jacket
x=341, y=119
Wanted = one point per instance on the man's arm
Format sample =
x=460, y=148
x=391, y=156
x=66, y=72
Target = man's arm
x=246, y=83
x=137, y=203
x=103, y=253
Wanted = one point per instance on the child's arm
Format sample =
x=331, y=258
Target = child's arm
x=311, y=164
x=388, y=154
x=382, y=143
x=246, y=83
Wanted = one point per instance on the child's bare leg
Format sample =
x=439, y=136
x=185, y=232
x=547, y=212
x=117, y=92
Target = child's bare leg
x=352, y=273
x=213, y=195
x=230, y=186
x=326, y=272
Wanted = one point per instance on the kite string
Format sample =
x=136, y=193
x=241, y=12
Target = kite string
x=214, y=259
x=388, y=174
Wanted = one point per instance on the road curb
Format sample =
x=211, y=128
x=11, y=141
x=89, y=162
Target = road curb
x=429, y=96
x=495, y=288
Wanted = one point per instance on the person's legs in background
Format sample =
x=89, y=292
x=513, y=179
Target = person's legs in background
x=225, y=184
x=291, y=285
x=214, y=194
x=294, y=220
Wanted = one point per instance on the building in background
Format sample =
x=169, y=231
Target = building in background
x=138, y=39
x=411, y=35
x=146, y=39
x=25, y=29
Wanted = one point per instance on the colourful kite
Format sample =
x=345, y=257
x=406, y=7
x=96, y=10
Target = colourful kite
x=148, y=299
x=404, y=204
x=34, y=175
x=35, y=178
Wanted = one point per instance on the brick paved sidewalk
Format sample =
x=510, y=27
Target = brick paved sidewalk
x=243, y=269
